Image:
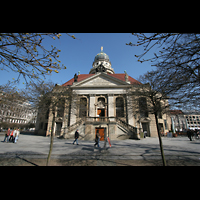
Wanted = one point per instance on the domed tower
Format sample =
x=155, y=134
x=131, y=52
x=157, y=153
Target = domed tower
x=101, y=64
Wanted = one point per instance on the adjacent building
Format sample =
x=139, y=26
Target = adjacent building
x=185, y=119
x=15, y=111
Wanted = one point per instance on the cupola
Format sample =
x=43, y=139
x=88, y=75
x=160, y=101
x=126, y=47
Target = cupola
x=101, y=63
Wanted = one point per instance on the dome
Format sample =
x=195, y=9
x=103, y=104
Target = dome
x=101, y=56
x=101, y=63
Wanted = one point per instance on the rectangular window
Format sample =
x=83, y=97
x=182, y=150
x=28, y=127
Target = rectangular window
x=143, y=107
x=165, y=121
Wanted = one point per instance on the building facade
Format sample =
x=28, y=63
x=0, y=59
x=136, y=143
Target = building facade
x=178, y=120
x=100, y=101
x=16, y=112
x=186, y=119
x=192, y=119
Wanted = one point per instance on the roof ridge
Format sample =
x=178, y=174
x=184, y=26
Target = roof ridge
x=120, y=76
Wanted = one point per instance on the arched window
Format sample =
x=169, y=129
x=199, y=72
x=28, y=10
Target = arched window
x=119, y=107
x=83, y=107
x=102, y=100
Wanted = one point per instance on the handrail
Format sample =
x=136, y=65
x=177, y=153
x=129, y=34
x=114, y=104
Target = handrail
x=130, y=127
x=100, y=119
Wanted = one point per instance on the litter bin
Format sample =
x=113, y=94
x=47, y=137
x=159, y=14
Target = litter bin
x=169, y=134
x=141, y=135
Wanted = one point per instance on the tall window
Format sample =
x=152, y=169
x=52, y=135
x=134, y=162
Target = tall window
x=60, y=108
x=143, y=107
x=83, y=107
x=159, y=113
x=119, y=107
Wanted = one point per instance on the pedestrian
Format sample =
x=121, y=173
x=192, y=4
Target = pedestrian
x=12, y=139
x=17, y=132
x=97, y=139
x=189, y=134
x=76, y=137
x=7, y=135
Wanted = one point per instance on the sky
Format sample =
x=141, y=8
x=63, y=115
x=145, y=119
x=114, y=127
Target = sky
x=78, y=55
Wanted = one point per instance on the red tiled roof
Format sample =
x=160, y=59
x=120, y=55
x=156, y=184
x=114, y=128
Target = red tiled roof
x=81, y=77
x=121, y=77
x=176, y=112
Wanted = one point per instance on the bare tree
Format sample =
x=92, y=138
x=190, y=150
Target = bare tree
x=177, y=61
x=25, y=54
x=149, y=98
x=15, y=110
x=51, y=100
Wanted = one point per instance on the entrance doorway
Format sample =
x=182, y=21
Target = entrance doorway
x=58, y=128
x=145, y=127
x=160, y=125
x=101, y=112
x=101, y=132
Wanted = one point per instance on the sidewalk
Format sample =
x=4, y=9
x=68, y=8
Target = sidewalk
x=33, y=150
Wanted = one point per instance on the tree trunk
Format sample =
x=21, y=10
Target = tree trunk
x=160, y=141
x=51, y=143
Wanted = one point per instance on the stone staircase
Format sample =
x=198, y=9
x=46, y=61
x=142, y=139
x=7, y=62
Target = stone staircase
x=69, y=131
x=129, y=131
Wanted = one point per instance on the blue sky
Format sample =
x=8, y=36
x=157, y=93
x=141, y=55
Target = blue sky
x=78, y=55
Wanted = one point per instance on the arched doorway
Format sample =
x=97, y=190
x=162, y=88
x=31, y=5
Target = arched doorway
x=101, y=108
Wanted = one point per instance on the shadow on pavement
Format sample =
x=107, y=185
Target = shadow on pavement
x=26, y=160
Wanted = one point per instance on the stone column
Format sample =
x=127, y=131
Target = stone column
x=130, y=111
x=73, y=111
x=92, y=106
x=111, y=106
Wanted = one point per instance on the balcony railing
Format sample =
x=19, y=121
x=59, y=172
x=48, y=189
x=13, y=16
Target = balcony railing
x=100, y=119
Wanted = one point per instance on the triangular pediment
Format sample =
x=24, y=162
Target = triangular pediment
x=100, y=79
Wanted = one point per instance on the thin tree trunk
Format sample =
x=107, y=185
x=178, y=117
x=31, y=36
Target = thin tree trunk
x=51, y=143
x=160, y=141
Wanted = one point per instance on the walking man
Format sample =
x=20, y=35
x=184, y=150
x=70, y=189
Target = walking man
x=97, y=139
x=189, y=134
x=7, y=135
x=76, y=137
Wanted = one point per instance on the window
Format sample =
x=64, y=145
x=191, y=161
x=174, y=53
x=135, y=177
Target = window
x=159, y=113
x=165, y=122
x=83, y=107
x=119, y=107
x=47, y=114
x=60, y=108
x=143, y=107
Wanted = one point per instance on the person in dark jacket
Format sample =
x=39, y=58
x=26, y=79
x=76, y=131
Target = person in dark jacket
x=97, y=139
x=7, y=135
x=189, y=134
x=76, y=137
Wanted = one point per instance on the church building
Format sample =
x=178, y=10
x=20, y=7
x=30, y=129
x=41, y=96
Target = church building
x=101, y=102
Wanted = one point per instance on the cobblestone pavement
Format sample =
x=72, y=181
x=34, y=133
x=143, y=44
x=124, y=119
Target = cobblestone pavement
x=32, y=150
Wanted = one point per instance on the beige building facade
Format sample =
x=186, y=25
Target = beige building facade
x=101, y=101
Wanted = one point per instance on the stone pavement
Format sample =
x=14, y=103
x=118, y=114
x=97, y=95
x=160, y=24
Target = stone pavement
x=32, y=150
